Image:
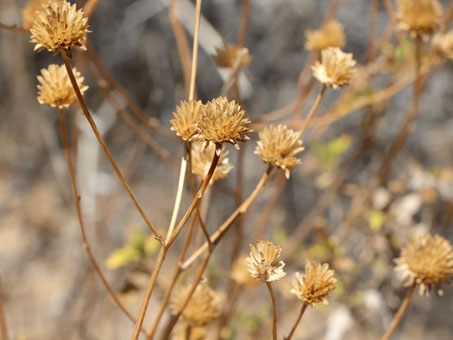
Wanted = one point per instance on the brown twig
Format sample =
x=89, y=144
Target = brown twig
x=14, y=28
x=274, y=310
x=301, y=313
x=399, y=315
x=89, y=7
x=2, y=316
x=77, y=198
x=104, y=146
x=313, y=110
x=372, y=30
x=243, y=27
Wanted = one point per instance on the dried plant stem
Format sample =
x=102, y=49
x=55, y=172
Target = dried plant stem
x=447, y=18
x=218, y=234
x=302, y=310
x=104, y=146
x=274, y=311
x=2, y=316
x=412, y=113
x=372, y=30
x=313, y=110
x=243, y=27
x=89, y=7
x=181, y=42
x=174, y=215
x=193, y=73
x=399, y=315
x=14, y=28
x=149, y=291
x=86, y=245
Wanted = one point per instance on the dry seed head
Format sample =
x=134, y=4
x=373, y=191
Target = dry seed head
x=181, y=329
x=426, y=261
x=240, y=273
x=227, y=55
x=204, y=306
x=314, y=286
x=443, y=45
x=29, y=12
x=186, y=116
x=331, y=34
x=264, y=262
x=278, y=146
x=419, y=17
x=335, y=69
x=222, y=121
x=202, y=158
x=55, y=88
x=59, y=26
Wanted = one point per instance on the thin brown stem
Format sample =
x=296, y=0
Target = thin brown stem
x=193, y=73
x=372, y=30
x=274, y=311
x=86, y=245
x=149, y=291
x=219, y=233
x=399, y=315
x=14, y=28
x=104, y=146
x=89, y=7
x=2, y=316
x=243, y=27
x=313, y=110
x=302, y=310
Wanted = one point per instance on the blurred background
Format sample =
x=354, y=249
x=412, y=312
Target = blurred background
x=48, y=286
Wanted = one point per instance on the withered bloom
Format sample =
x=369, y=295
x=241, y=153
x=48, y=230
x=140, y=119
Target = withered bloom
x=419, y=17
x=202, y=158
x=222, y=121
x=59, y=26
x=55, y=88
x=186, y=116
x=314, y=286
x=29, y=11
x=203, y=307
x=331, y=34
x=426, y=261
x=335, y=69
x=278, y=146
x=264, y=263
x=443, y=45
x=227, y=55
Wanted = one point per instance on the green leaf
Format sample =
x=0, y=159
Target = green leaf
x=376, y=220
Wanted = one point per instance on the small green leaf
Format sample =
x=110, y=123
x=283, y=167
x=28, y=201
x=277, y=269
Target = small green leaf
x=376, y=220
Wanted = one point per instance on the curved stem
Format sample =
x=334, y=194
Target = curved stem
x=274, y=311
x=302, y=310
x=193, y=74
x=399, y=315
x=313, y=110
x=81, y=221
x=104, y=146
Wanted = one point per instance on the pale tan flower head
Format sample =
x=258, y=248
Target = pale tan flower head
x=55, y=88
x=426, y=261
x=204, y=306
x=59, y=26
x=419, y=17
x=335, y=69
x=264, y=263
x=181, y=332
x=331, y=34
x=443, y=45
x=278, y=146
x=314, y=286
x=29, y=11
x=186, y=116
x=222, y=121
x=202, y=156
x=240, y=273
x=227, y=55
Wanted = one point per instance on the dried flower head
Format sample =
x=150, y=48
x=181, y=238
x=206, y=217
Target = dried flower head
x=331, y=34
x=186, y=116
x=222, y=121
x=240, y=273
x=278, y=146
x=182, y=332
x=443, y=45
x=55, y=88
x=427, y=261
x=264, y=262
x=204, y=306
x=335, y=69
x=419, y=17
x=202, y=158
x=228, y=54
x=314, y=286
x=59, y=26
x=29, y=12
